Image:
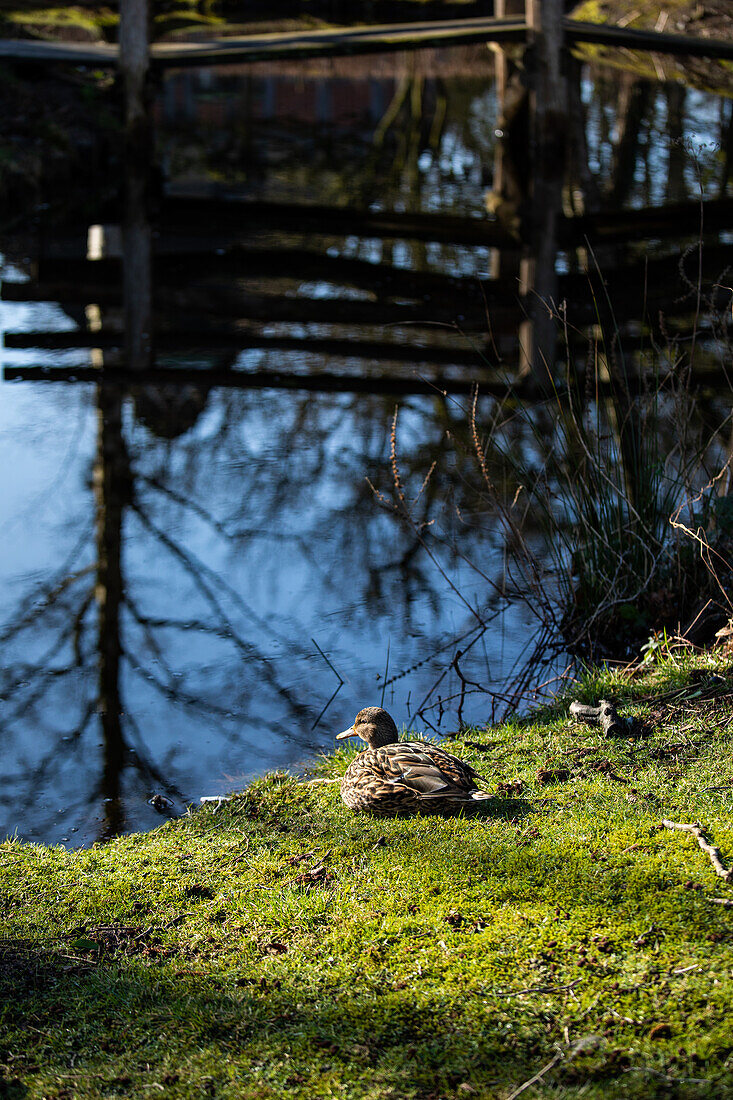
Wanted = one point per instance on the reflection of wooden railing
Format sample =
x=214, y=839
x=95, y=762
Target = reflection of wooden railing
x=219, y=293
x=213, y=300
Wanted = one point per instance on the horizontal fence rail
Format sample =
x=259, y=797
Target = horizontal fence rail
x=348, y=41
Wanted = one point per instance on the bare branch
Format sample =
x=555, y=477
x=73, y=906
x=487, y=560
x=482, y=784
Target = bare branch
x=715, y=855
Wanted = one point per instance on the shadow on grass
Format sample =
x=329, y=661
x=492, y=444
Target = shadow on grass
x=124, y=1021
x=95, y=1029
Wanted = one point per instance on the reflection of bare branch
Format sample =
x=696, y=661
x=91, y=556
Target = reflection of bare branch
x=450, y=644
x=63, y=745
x=176, y=694
x=78, y=626
x=186, y=626
x=465, y=683
x=185, y=502
x=40, y=678
x=35, y=605
x=197, y=570
x=479, y=634
x=404, y=510
x=147, y=630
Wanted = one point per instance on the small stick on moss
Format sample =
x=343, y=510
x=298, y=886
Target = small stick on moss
x=588, y=1042
x=715, y=856
x=604, y=715
x=540, y=989
x=537, y=1077
x=727, y=902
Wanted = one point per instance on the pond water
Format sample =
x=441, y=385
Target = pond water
x=206, y=578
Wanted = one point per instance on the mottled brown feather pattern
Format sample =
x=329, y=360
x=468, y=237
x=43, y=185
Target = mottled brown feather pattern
x=407, y=777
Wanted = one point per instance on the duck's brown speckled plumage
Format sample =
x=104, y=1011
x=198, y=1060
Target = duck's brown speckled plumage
x=395, y=777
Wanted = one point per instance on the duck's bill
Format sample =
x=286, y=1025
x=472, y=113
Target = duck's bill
x=346, y=733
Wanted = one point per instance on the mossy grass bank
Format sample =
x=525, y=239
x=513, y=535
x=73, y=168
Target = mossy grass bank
x=282, y=946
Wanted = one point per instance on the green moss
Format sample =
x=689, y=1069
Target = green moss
x=644, y=13
x=94, y=21
x=682, y=17
x=284, y=946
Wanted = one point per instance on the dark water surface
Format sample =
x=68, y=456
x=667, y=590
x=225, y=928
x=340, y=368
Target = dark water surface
x=201, y=581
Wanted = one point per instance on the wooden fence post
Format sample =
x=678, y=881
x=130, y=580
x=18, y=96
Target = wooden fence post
x=548, y=126
x=134, y=61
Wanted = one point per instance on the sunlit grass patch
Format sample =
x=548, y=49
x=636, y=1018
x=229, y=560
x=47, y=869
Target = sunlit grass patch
x=281, y=944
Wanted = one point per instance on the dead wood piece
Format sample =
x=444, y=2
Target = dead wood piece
x=585, y=713
x=727, y=902
x=604, y=715
x=715, y=856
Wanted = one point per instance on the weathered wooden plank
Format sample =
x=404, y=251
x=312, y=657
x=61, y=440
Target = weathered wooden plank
x=198, y=340
x=674, y=220
x=239, y=262
x=220, y=213
x=235, y=305
x=318, y=382
x=133, y=60
x=270, y=47
x=350, y=41
x=604, y=34
x=341, y=42
x=231, y=219
x=100, y=54
x=321, y=382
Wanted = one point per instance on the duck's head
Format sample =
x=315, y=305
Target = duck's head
x=374, y=726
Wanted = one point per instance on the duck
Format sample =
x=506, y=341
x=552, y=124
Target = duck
x=393, y=777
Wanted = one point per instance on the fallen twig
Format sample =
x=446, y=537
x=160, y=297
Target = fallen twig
x=586, y=1043
x=727, y=902
x=604, y=715
x=715, y=856
x=537, y=1077
x=540, y=989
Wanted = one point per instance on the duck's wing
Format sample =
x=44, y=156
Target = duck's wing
x=427, y=770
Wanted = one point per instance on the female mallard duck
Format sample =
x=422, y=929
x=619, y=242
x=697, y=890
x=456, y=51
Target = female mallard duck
x=395, y=777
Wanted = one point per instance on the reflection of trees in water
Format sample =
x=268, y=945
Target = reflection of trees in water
x=359, y=142
x=158, y=597
x=166, y=599
x=642, y=140
x=628, y=123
